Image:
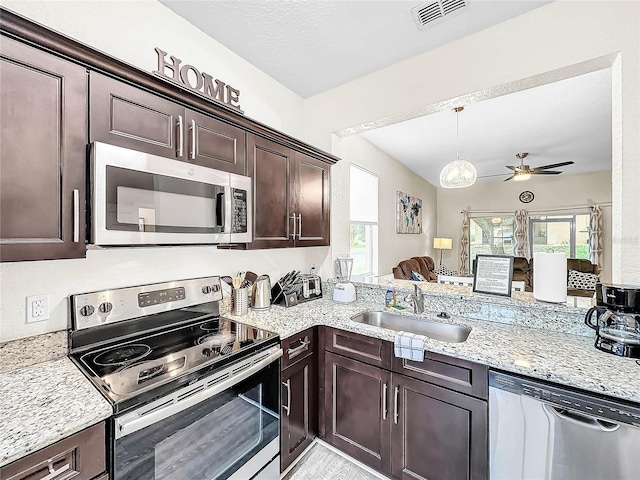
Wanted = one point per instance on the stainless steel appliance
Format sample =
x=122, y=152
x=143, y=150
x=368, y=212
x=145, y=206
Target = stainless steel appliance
x=142, y=199
x=261, y=293
x=539, y=431
x=618, y=319
x=195, y=396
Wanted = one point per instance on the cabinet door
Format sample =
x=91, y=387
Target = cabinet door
x=133, y=118
x=80, y=456
x=312, y=201
x=43, y=139
x=356, y=410
x=215, y=144
x=270, y=166
x=436, y=433
x=298, y=424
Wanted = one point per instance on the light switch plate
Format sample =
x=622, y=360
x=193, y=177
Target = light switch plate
x=37, y=308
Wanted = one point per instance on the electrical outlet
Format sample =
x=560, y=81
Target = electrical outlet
x=37, y=308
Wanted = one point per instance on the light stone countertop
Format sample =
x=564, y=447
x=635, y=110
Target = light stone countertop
x=44, y=403
x=563, y=358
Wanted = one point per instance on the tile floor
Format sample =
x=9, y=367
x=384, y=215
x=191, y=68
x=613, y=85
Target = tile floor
x=322, y=463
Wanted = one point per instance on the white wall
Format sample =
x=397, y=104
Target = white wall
x=392, y=176
x=560, y=34
x=130, y=31
x=565, y=190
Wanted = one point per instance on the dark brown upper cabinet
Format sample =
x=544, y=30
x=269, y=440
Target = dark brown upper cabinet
x=290, y=195
x=43, y=138
x=129, y=117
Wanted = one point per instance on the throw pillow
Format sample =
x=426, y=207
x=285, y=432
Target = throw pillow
x=582, y=281
x=417, y=276
x=444, y=270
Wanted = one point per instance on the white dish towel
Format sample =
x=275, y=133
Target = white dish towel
x=409, y=345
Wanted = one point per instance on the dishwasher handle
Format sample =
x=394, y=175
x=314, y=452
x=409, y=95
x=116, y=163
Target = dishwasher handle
x=581, y=419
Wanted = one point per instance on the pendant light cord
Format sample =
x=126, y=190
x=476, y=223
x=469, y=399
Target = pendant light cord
x=457, y=137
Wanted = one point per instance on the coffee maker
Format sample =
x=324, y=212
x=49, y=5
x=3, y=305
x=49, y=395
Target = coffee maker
x=618, y=319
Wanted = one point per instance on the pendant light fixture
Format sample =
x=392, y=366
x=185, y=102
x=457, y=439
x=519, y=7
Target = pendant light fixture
x=459, y=173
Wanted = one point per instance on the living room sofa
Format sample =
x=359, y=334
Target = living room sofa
x=425, y=266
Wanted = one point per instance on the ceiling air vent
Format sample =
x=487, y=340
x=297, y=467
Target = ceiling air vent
x=427, y=13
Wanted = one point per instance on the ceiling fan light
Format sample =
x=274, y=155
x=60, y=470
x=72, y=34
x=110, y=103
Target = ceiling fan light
x=458, y=174
x=521, y=177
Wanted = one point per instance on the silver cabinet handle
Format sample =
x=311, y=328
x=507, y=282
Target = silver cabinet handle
x=384, y=402
x=54, y=473
x=287, y=407
x=293, y=217
x=180, y=146
x=304, y=343
x=300, y=226
x=395, y=405
x=76, y=215
x=193, y=139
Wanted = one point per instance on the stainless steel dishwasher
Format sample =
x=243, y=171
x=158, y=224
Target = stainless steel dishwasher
x=538, y=431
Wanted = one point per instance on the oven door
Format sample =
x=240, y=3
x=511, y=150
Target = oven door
x=225, y=426
x=143, y=199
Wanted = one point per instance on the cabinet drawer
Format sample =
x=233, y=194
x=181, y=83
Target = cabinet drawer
x=452, y=373
x=81, y=457
x=373, y=351
x=298, y=347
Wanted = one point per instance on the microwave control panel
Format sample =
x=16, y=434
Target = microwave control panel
x=239, y=211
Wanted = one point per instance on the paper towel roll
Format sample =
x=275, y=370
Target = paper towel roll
x=550, y=277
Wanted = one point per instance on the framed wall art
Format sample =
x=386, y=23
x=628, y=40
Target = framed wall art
x=408, y=213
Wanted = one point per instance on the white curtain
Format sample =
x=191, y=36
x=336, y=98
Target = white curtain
x=521, y=234
x=464, y=245
x=595, y=236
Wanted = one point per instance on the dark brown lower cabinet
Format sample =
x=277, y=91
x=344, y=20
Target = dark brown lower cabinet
x=437, y=433
x=80, y=456
x=401, y=426
x=356, y=410
x=299, y=411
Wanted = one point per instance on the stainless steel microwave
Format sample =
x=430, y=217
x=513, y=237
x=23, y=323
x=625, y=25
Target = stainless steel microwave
x=143, y=199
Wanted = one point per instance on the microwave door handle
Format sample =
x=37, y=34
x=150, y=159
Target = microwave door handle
x=220, y=209
x=227, y=219
x=128, y=426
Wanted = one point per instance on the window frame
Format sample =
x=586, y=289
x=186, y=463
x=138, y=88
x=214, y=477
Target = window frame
x=371, y=234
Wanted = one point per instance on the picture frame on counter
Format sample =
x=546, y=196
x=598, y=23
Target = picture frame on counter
x=493, y=275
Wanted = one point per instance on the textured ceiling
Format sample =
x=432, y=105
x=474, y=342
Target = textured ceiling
x=556, y=122
x=311, y=46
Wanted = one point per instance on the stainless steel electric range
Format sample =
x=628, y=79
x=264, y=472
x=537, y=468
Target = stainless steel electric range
x=195, y=395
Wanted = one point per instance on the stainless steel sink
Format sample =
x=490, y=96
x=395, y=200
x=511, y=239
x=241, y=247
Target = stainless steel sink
x=445, y=332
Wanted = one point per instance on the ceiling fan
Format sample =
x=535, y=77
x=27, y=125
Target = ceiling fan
x=523, y=172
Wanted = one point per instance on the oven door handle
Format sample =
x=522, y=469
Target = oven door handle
x=134, y=421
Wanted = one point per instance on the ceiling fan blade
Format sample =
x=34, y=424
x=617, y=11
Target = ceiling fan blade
x=496, y=175
x=507, y=179
x=545, y=172
x=511, y=167
x=554, y=165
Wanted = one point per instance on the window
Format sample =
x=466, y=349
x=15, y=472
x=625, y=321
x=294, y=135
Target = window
x=363, y=234
x=563, y=233
x=491, y=235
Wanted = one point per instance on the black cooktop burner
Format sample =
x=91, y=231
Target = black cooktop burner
x=141, y=367
x=122, y=355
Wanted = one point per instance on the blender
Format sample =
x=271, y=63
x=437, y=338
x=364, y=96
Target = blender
x=344, y=291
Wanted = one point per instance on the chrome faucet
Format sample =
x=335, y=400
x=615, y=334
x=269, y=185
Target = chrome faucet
x=417, y=299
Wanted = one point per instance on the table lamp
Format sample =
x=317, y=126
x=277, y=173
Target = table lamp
x=442, y=244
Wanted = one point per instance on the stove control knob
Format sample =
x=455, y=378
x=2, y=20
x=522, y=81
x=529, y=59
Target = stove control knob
x=206, y=352
x=105, y=307
x=87, y=310
x=215, y=287
x=206, y=289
